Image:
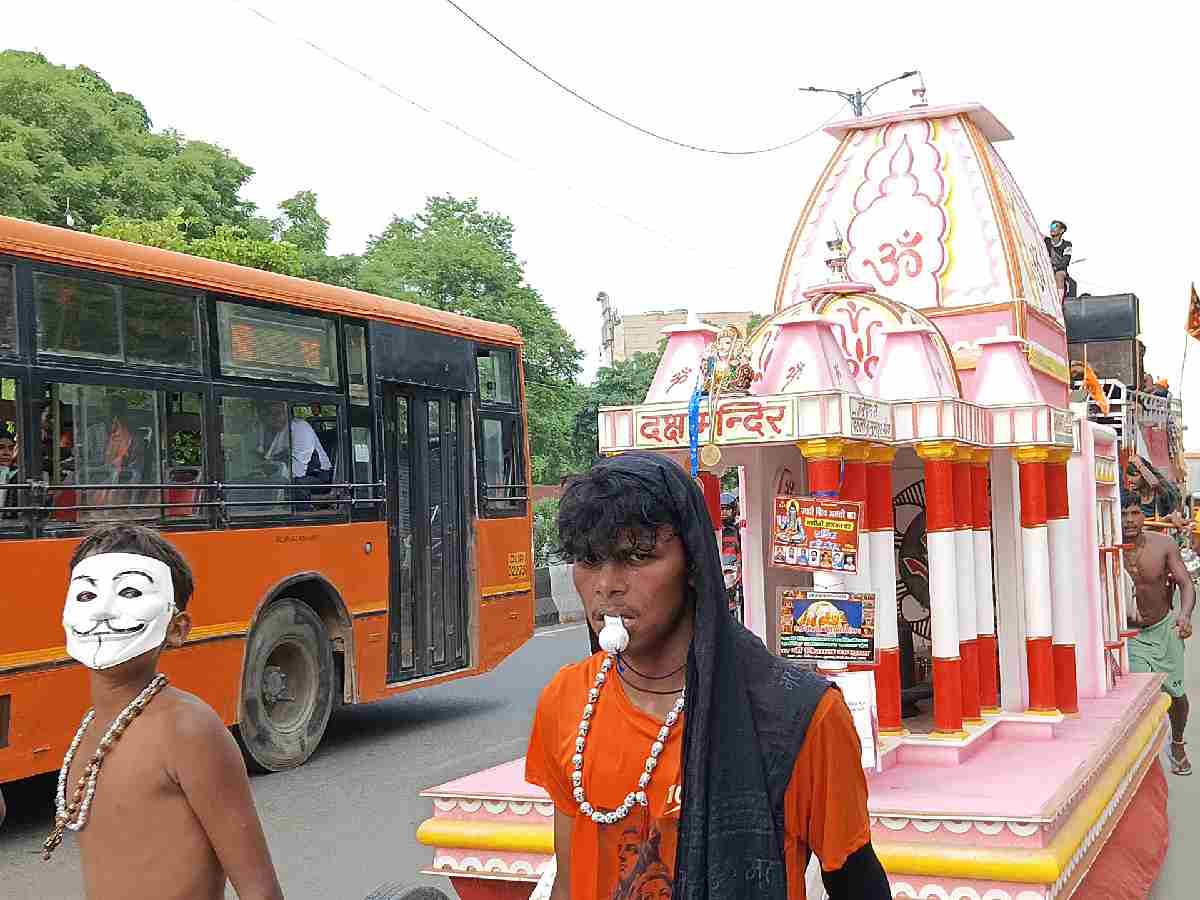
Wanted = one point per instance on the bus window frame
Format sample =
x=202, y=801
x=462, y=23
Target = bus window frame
x=27, y=323
x=18, y=266
x=22, y=524
x=503, y=412
x=370, y=512
x=43, y=377
x=342, y=513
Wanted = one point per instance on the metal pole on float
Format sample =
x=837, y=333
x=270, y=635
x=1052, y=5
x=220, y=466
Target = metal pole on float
x=968, y=615
x=985, y=603
x=940, y=527
x=1035, y=557
x=1058, y=531
x=880, y=526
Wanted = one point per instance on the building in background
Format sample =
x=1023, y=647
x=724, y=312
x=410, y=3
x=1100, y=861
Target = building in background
x=641, y=332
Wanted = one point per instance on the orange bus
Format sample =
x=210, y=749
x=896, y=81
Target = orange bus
x=347, y=474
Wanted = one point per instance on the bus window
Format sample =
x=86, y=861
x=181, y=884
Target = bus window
x=10, y=453
x=270, y=343
x=81, y=317
x=280, y=457
x=356, y=361
x=363, y=458
x=8, y=311
x=502, y=470
x=497, y=377
x=103, y=447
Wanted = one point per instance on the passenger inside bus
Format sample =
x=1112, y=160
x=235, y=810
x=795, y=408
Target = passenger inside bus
x=8, y=469
x=296, y=452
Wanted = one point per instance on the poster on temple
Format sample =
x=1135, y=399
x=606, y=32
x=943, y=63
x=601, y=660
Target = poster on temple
x=815, y=534
x=826, y=626
x=858, y=690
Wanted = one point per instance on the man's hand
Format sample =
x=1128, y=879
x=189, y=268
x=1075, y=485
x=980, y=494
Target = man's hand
x=1147, y=475
x=1183, y=627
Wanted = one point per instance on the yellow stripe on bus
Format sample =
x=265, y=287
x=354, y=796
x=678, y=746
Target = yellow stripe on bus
x=27, y=658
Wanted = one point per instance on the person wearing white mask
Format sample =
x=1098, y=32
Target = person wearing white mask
x=172, y=816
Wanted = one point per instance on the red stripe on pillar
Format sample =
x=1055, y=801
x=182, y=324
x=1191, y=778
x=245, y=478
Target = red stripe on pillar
x=879, y=515
x=968, y=651
x=1041, y=674
x=963, y=509
x=887, y=691
x=939, y=495
x=1066, y=691
x=712, y=497
x=1057, y=504
x=823, y=476
x=1033, y=494
x=981, y=503
x=989, y=672
x=854, y=480
x=947, y=695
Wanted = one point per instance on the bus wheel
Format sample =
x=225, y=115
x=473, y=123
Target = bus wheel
x=287, y=687
x=402, y=892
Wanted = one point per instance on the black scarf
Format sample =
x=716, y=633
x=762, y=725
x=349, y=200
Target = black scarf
x=747, y=716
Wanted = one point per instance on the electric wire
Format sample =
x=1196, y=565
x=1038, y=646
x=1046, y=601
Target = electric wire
x=624, y=121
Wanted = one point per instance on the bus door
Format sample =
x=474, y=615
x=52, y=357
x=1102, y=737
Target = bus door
x=426, y=499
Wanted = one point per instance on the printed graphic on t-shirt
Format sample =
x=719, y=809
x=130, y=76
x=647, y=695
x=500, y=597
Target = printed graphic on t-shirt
x=645, y=875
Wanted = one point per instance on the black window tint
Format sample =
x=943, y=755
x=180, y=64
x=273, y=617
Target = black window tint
x=503, y=489
x=8, y=310
x=162, y=328
x=497, y=377
x=272, y=343
x=356, y=359
x=76, y=316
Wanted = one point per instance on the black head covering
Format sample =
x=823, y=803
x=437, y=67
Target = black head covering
x=746, y=717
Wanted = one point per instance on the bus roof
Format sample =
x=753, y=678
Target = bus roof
x=75, y=248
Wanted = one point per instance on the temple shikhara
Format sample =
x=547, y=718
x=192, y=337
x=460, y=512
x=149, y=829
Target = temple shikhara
x=915, y=361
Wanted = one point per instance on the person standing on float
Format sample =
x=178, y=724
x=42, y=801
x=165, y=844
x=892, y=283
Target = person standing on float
x=732, y=764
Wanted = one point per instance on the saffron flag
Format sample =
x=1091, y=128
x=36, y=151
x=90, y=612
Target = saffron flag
x=1092, y=383
x=1193, y=317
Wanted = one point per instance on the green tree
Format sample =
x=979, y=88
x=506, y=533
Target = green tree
x=624, y=383
x=301, y=224
x=456, y=257
x=67, y=136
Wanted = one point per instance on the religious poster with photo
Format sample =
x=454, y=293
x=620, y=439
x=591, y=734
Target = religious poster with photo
x=815, y=534
x=826, y=626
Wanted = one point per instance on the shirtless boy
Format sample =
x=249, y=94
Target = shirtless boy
x=169, y=814
x=1157, y=569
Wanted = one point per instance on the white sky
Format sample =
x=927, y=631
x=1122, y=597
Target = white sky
x=1102, y=104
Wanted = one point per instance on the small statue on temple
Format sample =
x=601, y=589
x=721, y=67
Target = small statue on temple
x=724, y=365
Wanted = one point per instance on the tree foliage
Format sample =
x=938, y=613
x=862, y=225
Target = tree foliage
x=456, y=257
x=66, y=135
x=622, y=384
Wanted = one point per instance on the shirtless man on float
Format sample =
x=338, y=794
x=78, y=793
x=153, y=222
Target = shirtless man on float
x=1157, y=569
x=171, y=815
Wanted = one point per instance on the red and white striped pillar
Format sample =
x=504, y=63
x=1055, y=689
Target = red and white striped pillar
x=823, y=457
x=1035, y=557
x=968, y=615
x=940, y=526
x=985, y=603
x=1058, y=529
x=880, y=527
x=854, y=487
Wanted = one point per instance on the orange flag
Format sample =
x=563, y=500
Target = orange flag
x=1092, y=383
x=1193, y=317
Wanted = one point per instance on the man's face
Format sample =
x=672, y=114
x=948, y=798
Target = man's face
x=8, y=452
x=1132, y=518
x=645, y=586
x=119, y=606
x=275, y=416
x=1056, y=230
x=627, y=851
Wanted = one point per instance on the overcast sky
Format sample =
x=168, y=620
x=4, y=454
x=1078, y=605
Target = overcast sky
x=1102, y=105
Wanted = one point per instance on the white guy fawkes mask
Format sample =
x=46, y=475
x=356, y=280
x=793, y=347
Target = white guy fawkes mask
x=118, y=607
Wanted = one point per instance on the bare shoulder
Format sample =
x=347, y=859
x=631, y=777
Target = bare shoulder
x=1161, y=542
x=190, y=721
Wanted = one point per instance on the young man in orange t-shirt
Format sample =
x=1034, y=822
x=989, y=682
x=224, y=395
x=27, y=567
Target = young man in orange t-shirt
x=690, y=762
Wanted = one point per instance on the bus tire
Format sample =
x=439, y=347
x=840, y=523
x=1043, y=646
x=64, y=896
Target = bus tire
x=402, y=892
x=287, y=687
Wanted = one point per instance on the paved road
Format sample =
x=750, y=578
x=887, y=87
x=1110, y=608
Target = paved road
x=345, y=822
x=1181, y=873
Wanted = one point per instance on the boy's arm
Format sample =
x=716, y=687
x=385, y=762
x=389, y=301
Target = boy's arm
x=210, y=770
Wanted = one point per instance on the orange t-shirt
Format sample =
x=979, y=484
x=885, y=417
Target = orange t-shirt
x=825, y=807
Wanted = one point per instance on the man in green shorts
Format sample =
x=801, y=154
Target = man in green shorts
x=1157, y=569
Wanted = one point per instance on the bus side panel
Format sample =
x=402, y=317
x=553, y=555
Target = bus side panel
x=371, y=657
x=234, y=572
x=504, y=548
x=47, y=704
x=505, y=624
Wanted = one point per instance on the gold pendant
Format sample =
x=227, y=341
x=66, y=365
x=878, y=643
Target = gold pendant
x=710, y=455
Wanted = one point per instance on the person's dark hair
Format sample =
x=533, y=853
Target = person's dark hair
x=1130, y=498
x=1060, y=223
x=123, y=538
x=606, y=514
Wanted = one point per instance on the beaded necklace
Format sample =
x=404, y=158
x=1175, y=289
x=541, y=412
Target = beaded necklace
x=633, y=798
x=74, y=816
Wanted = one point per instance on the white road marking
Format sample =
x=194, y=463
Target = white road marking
x=553, y=631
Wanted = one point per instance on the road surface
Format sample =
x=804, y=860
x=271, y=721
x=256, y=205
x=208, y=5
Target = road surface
x=345, y=823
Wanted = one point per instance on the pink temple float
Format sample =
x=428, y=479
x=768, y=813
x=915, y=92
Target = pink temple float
x=916, y=362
